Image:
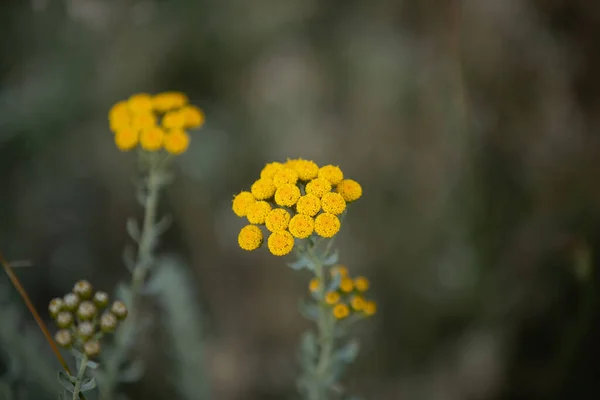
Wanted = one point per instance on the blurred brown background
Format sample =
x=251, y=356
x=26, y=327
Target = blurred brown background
x=472, y=126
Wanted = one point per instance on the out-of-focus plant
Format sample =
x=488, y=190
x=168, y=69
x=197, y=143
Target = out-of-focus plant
x=302, y=205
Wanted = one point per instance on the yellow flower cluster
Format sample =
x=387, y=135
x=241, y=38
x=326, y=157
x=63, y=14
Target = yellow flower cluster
x=154, y=122
x=295, y=199
x=349, y=296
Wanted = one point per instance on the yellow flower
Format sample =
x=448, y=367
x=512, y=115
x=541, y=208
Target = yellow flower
x=152, y=139
x=257, y=212
x=126, y=139
x=339, y=269
x=140, y=103
x=332, y=298
x=174, y=120
x=120, y=122
x=168, y=100
x=333, y=203
x=119, y=110
x=250, y=237
x=269, y=170
x=263, y=189
x=241, y=202
x=370, y=308
x=318, y=187
x=143, y=121
x=194, y=117
x=285, y=176
x=357, y=303
x=277, y=220
x=177, y=141
x=331, y=173
x=349, y=189
x=327, y=225
x=308, y=205
x=341, y=311
x=301, y=226
x=346, y=285
x=306, y=169
x=280, y=243
x=361, y=283
x=314, y=285
x=287, y=195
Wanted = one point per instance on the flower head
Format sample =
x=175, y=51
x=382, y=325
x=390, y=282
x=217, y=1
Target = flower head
x=263, y=189
x=308, y=204
x=327, y=225
x=169, y=100
x=285, y=176
x=269, y=170
x=241, y=202
x=176, y=141
x=151, y=139
x=333, y=203
x=277, y=220
x=346, y=285
x=301, y=226
x=361, y=283
x=314, y=285
x=349, y=189
x=174, y=120
x=318, y=187
x=357, y=303
x=305, y=169
x=250, y=237
x=339, y=269
x=331, y=173
x=287, y=195
x=140, y=103
x=280, y=243
x=370, y=308
x=341, y=311
x=126, y=139
x=257, y=212
x=332, y=298
x=194, y=117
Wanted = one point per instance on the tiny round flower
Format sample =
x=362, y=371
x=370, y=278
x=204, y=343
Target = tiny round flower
x=280, y=243
x=301, y=226
x=151, y=139
x=241, y=202
x=71, y=301
x=327, y=225
x=119, y=309
x=64, y=338
x=119, y=111
x=332, y=298
x=257, y=212
x=108, y=322
x=176, y=141
x=168, y=100
x=285, y=176
x=85, y=330
x=346, y=285
x=314, y=285
x=306, y=169
x=333, y=203
x=277, y=220
x=308, y=205
x=174, y=120
x=357, y=303
x=101, y=299
x=86, y=311
x=370, y=308
x=91, y=348
x=56, y=305
x=64, y=319
x=194, y=117
x=263, y=189
x=339, y=269
x=341, y=311
x=250, y=237
x=143, y=121
x=361, y=283
x=331, y=173
x=83, y=288
x=287, y=195
x=269, y=170
x=318, y=187
x=140, y=103
x=126, y=139
x=349, y=189
x=120, y=122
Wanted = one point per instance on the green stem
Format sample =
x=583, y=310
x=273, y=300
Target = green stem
x=80, y=376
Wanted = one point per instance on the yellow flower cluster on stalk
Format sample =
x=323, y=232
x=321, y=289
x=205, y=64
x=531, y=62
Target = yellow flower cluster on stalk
x=293, y=200
x=348, y=297
x=154, y=122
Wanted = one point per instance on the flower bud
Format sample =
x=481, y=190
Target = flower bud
x=101, y=299
x=119, y=309
x=71, y=301
x=64, y=319
x=64, y=338
x=83, y=288
x=85, y=330
x=108, y=322
x=56, y=305
x=91, y=348
x=86, y=311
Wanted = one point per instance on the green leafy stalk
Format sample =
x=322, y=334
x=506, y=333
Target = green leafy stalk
x=80, y=376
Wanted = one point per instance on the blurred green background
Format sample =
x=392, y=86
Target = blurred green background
x=472, y=126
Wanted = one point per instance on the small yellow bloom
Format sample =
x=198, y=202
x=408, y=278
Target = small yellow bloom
x=349, y=189
x=119, y=110
x=357, y=303
x=346, y=285
x=177, y=141
x=301, y=226
x=285, y=176
x=341, y=311
x=333, y=203
x=174, y=120
x=241, y=202
x=318, y=187
x=314, y=285
x=143, y=121
x=263, y=189
x=308, y=205
x=327, y=225
x=370, y=308
x=332, y=298
x=250, y=237
x=168, y=100
x=269, y=170
x=126, y=139
x=339, y=269
x=361, y=283
x=120, y=122
x=194, y=117
x=140, y=103
x=306, y=169
x=277, y=220
x=331, y=173
x=287, y=195
x=257, y=212
x=152, y=139
x=280, y=243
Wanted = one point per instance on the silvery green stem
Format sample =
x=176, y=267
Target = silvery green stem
x=80, y=375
